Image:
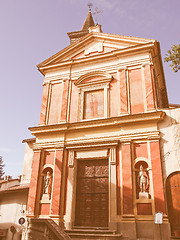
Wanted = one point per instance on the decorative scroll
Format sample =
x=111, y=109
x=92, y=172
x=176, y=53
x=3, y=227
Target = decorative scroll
x=112, y=156
x=71, y=158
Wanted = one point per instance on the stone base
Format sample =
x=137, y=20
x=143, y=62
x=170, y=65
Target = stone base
x=144, y=230
x=68, y=225
x=137, y=230
x=143, y=195
x=127, y=229
x=45, y=197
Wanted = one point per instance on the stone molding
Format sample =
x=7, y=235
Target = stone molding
x=123, y=120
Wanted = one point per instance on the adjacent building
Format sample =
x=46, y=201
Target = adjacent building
x=13, y=201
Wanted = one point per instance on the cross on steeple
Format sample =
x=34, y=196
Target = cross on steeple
x=89, y=22
x=90, y=6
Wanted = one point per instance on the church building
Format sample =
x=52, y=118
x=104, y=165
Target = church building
x=97, y=164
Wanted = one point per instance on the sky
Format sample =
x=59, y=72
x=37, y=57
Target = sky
x=33, y=30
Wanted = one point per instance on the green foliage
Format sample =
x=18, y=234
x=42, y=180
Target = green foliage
x=173, y=55
x=1, y=168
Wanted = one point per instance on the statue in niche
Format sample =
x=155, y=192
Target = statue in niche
x=47, y=185
x=143, y=181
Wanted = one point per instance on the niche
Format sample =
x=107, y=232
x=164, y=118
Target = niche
x=142, y=180
x=47, y=176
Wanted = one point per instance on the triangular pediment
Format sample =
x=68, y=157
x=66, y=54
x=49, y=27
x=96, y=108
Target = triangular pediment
x=94, y=44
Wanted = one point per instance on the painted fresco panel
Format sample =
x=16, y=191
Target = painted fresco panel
x=94, y=104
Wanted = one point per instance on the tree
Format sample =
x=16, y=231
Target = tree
x=173, y=55
x=1, y=168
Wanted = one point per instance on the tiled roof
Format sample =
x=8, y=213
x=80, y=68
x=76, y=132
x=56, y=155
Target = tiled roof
x=14, y=188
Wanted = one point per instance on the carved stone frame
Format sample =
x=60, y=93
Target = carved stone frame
x=101, y=84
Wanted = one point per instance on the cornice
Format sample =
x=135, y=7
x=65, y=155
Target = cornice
x=109, y=69
x=98, y=57
x=155, y=116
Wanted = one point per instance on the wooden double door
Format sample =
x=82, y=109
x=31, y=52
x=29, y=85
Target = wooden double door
x=173, y=201
x=92, y=193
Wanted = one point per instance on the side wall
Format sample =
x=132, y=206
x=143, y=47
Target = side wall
x=170, y=142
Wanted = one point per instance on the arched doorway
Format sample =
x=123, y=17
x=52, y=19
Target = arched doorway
x=173, y=201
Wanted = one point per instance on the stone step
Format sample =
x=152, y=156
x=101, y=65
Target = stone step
x=89, y=227
x=96, y=236
x=93, y=233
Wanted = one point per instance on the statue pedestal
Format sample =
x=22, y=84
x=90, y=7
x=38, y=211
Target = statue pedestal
x=143, y=195
x=45, y=196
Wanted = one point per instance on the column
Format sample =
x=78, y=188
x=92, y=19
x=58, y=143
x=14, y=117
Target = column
x=56, y=191
x=157, y=177
x=33, y=188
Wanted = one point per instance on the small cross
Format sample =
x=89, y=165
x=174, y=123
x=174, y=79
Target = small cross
x=90, y=5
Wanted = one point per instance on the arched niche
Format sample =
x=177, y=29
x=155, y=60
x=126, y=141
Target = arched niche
x=142, y=174
x=47, y=178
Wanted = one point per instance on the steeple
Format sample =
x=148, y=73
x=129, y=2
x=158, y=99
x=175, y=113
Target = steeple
x=89, y=22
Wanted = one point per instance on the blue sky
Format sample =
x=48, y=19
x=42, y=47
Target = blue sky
x=33, y=30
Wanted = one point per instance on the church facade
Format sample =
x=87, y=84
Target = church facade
x=97, y=160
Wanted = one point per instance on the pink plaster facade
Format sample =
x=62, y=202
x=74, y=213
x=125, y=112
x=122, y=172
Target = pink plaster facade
x=138, y=91
x=112, y=113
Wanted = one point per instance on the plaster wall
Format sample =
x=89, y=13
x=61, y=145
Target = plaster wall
x=170, y=141
x=12, y=207
x=27, y=164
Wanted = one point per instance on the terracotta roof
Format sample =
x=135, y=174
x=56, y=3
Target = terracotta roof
x=89, y=22
x=29, y=140
x=15, y=188
x=171, y=105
